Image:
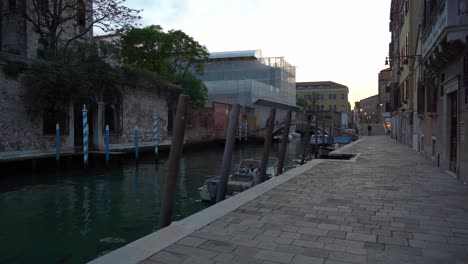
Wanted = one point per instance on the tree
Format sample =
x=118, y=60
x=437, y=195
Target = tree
x=300, y=101
x=52, y=20
x=172, y=55
x=52, y=86
x=145, y=48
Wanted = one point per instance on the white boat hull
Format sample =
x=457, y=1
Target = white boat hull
x=204, y=194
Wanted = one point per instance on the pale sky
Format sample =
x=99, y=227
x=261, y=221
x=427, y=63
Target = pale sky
x=342, y=40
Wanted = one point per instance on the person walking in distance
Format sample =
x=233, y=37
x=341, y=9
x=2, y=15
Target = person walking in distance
x=369, y=130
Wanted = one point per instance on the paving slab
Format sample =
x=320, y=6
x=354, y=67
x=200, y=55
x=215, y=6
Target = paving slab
x=388, y=205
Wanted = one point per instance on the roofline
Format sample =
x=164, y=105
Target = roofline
x=319, y=83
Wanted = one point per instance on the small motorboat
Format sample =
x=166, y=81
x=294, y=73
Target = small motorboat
x=245, y=176
x=322, y=139
x=280, y=138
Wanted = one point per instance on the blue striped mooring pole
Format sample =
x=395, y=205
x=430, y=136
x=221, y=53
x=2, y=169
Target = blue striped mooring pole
x=155, y=131
x=85, y=136
x=57, y=142
x=136, y=142
x=107, y=143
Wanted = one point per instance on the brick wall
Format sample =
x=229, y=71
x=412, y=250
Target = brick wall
x=138, y=107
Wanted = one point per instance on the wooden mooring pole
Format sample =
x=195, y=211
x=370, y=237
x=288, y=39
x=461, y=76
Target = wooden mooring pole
x=307, y=139
x=316, y=136
x=107, y=145
x=57, y=146
x=174, y=161
x=267, y=145
x=284, y=142
x=227, y=157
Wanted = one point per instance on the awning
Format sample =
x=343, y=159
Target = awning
x=269, y=103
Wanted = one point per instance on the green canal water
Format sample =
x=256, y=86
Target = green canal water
x=72, y=217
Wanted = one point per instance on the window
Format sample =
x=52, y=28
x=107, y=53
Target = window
x=334, y=107
x=81, y=13
x=431, y=89
x=329, y=107
x=342, y=96
x=330, y=96
x=11, y=5
x=321, y=97
x=113, y=112
x=433, y=147
x=407, y=44
x=334, y=97
x=465, y=71
x=387, y=107
x=51, y=119
x=342, y=108
x=387, y=88
x=111, y=117
x=43, y=6
x=322, y=107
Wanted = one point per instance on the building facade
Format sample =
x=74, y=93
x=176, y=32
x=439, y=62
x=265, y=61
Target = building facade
x=383, y=104
x=19, y=36
x=325, y=96
x=369, y=108
x=445, y=80
x=130, y=105
x=256, y=83
x=429, y=61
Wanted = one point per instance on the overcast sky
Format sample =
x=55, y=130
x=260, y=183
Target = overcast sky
x=341, y=40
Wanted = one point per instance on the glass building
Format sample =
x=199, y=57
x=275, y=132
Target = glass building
x=254, y=82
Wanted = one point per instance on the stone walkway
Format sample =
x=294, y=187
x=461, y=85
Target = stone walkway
x=389, y=206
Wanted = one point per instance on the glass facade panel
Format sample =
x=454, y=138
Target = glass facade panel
x=244, y=81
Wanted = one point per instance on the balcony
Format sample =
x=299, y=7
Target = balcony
x=447, y=24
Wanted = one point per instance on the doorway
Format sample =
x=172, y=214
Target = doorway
x=453, y=131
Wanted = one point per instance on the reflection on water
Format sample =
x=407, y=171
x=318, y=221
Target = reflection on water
x=71, y=217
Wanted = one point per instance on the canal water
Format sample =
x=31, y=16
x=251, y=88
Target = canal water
x=72, y=217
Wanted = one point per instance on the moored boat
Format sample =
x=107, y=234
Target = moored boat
x=246, y=175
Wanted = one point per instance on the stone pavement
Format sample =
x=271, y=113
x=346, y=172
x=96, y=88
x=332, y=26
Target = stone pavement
x=389, y=206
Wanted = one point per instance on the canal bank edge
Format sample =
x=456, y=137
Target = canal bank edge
x=151, y=244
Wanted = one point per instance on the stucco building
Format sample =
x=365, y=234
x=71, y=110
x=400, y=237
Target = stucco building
x=325, y=96
x=369, y=109
x=383, y=104
x=429, y=62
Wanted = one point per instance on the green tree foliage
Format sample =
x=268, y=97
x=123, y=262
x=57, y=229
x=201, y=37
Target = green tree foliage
x=300, y=101
x=172, y=55
x=53, y=85
x=194, y=88
x=14, y=68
